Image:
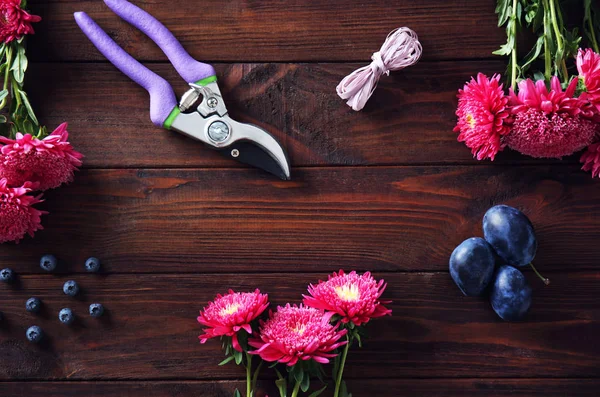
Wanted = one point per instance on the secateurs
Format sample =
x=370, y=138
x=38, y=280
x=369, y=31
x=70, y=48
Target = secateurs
x=201, y=113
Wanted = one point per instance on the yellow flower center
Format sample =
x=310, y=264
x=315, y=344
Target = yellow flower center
x=299, y=329
x=230, y=309
x=470, y=120
x=348, y=292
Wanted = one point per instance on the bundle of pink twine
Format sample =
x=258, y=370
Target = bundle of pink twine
x=400, y=50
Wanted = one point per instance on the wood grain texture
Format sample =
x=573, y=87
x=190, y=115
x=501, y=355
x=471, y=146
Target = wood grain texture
x=409, y=120
x=150, y=331
x=265, y=30
x=237, y=220
x=361, y=387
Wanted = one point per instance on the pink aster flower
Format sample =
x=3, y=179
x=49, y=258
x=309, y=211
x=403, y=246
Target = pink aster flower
x=549, y=123
x=482, y=116
x=228, y=314
x=591, y=159
x=49, y=162
x=17, y=215
x=295, y=333
x=14, y=21
x=354, y=297
x=588, y=66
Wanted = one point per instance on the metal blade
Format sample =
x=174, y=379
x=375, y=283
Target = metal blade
x=249, y=153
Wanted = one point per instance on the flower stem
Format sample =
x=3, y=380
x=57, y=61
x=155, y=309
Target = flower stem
x=340, y=373
x=593, y=36
x=544, y=279
x=513, y=71
x=559, y=41
x=248, y=375
x=547, y=55
x=296, y=388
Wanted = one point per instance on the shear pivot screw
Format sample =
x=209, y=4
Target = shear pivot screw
x=212, y=102
x=218, y=131
x=235, y=153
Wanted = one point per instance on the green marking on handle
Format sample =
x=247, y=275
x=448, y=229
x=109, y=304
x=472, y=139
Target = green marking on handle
x=169, y=121
x=207, y=80
x=176, y=112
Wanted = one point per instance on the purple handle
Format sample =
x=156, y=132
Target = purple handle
x=188, y=68
x=162, y=97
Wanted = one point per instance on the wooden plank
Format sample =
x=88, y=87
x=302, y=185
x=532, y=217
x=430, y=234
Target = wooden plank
x=359, y=388
x=303, y=30
x=150, y=331
x=408, y=121
x=237, y=220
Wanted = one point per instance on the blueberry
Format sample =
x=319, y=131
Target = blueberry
x=48, y=263
x=33, y=305
x=66, y=316
x=71, y=288
x=34, y=334
x=96, y=310
x=7, y=275
x=511, y=235
x=92, y=265
x=472, y=266
x=511, y=294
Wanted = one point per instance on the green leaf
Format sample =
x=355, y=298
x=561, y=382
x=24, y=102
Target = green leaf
x=298, y=374
x=237, y=393
x=228, y=359
x=3, y=94
x=533, y=54
x=305, y=385
x=344, y=389
x=28, y=106
x=3, y=119
x=27, y=127
x=503, y=9
x=318, y=392
x=237, y=356
x=19, y=65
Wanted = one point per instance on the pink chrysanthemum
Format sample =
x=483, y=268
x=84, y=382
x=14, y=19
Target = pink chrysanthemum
x=549, y=123
x=482, y=116
x=588, y=66
x=354, y=297
x=295, y=333
x=17, y=215
x=228, y=314
x=591, y=159
x=49, y=162
x=14, y=21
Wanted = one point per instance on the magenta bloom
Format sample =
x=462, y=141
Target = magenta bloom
x=588, y=66
x=352, y=296
x=295, y=333
x=14, y=21
x=591, y=159
x=482, y=116
x=17, y=215
x=228, y=314
x=49, y=162
x=549, y=123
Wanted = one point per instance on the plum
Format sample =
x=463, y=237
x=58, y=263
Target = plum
x=472, y=266
x=511, y=235
x=511, y=294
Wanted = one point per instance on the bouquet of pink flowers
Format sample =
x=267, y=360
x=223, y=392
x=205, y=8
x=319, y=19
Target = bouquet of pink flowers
x=300, y=337
x=552, y=115
x=30, y=158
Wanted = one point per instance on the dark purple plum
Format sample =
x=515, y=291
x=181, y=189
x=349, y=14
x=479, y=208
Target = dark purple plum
x=511, y=294
x=472, y=266
x=511, y=235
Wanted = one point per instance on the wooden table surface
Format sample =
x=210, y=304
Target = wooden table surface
x=387, y=189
